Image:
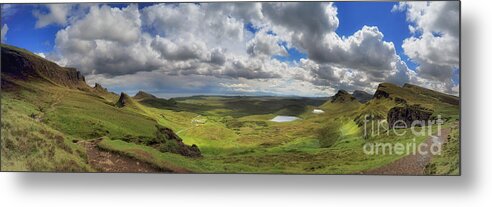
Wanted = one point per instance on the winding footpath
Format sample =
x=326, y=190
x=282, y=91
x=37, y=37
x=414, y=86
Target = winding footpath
x=105, y=161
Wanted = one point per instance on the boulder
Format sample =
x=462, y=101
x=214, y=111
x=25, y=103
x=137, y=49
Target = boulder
x=124, y=100
x=403, y=117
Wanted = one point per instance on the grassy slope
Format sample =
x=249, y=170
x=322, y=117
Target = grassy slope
x=253, y=145
x=235, y=135
x=30, y=145
x=449, y=161
x=40, y=121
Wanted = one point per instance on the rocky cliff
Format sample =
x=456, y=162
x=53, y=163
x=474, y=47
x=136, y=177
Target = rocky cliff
x=404, y=117
x=24, y=65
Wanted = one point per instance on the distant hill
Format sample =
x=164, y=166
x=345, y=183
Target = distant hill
x=362, y=96
x=141, y=95
x=148, y=99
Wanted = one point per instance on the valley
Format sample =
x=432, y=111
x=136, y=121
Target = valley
x=53, y=121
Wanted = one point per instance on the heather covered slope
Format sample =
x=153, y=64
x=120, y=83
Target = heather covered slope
x=50, y=116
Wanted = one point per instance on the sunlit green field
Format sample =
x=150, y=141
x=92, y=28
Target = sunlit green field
x=234, y=134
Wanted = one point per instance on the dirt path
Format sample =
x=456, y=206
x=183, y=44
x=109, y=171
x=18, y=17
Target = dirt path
x=105, y=161
x=413, y=164
x=44, y=110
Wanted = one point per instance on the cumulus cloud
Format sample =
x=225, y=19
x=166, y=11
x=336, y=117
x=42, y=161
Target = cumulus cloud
x=4, y=31
x=117, y=41
x=435, y=44
x=180, y=49
x=56, y=14
x=109, y=41
x=212, y=41
x=265, y=44
x=364, y=55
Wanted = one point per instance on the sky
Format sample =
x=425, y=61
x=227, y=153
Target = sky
x=249, y=48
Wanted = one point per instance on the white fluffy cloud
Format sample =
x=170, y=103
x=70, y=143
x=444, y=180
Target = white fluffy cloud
x=211, y=40
x=107, y=40
x=435, y=44
x=4, y=31
x=57, y=14
x=117, y=41
x=265, y=44
x=334, y=60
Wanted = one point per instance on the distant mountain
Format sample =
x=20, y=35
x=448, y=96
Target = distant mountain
x=362, y=96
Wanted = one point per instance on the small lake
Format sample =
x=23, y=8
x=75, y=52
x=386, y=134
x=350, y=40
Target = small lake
x=284, y=118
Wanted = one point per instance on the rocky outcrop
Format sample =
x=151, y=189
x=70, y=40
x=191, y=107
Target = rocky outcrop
x=362, y=96
x=21, y=64
x=342, y=97
x=404, y=117
x=124, y=100
x=381, y=91
x=168, y=141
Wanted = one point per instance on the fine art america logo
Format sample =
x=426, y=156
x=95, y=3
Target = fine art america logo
x=374, y=127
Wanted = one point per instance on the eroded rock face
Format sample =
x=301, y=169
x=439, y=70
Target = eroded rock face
x=21, y=64
x=404, y=117
x=381, y=94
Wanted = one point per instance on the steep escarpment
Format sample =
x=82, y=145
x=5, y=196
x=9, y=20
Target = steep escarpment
x=446, y=98
x=385, y=90
x=404, y=104
x=19, y=64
